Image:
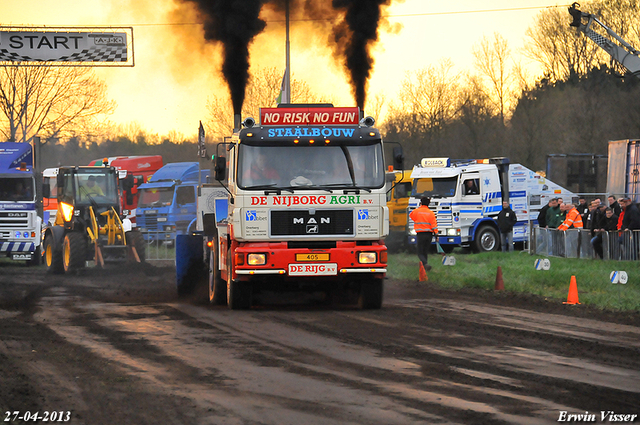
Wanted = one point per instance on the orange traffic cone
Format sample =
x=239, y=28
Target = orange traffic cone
x=499, y=283
x=572, y=298
x=422, y=275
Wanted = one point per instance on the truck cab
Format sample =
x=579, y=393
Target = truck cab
x=398, y=194
x=20, y=224
x=467, y=196
x=167, y=202
x=140, y=168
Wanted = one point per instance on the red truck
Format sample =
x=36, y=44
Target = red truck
x=141, y=168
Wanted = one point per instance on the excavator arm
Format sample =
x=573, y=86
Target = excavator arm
x=621, y=51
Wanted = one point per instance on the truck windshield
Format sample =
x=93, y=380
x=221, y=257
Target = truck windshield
x=310, y=167
x=95, y=186
x=441, y=187
x=155, y=197
x=16, y=189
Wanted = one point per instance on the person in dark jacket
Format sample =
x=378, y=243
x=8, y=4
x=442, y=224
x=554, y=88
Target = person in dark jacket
x=506, y=220
x=630, y=222
x=609, y=223
x=590, y=218
x=583, y=208
x=614, y=205
x=542, y=215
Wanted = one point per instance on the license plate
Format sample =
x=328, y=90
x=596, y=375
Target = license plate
x=323, y=269
x=312, y=257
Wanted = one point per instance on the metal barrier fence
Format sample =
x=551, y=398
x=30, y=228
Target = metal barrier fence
x=159, y=248
x=578, y=243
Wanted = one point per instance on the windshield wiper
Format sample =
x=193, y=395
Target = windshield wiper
x=269, y=188
x=347, y=187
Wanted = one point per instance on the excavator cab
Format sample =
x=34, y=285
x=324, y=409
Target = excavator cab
x=88, y=223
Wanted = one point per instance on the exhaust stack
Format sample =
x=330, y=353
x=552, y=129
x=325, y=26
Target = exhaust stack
x=237, y=119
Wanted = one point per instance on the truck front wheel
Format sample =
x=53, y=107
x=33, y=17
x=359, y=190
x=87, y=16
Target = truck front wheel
x=217, y=286
x=52, y=256
x=487, y=239
x=238, y=293
x=370, y=297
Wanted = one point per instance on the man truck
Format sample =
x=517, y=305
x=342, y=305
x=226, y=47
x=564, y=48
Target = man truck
x=300, y=203
x=20, y=224
x=467, y=196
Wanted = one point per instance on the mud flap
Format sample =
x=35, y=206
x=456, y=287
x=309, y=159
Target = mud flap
x=189, y=262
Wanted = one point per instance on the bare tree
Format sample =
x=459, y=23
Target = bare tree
x=49, y=101
x=262, y=92
x=376, y=106
x=429, y=94
x=554, y=44
x=491, y=57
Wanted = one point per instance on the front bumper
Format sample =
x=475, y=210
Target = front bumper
x=311, y=263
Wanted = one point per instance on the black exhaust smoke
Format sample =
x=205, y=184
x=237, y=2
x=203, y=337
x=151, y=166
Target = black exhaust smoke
x=354, y=38
x=234, y=24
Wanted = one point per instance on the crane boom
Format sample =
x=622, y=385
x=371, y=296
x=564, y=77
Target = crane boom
x=621, y=51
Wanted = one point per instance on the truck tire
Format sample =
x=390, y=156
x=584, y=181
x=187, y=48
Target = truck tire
x=52, y=256
x=74, y=251
x=487, y=239
x=136, y=240
x=371, y=291
x=217, y=286
x=35, y=260
x=238, y=293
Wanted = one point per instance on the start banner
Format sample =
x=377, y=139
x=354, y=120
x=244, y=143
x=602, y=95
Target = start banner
x=99, y=45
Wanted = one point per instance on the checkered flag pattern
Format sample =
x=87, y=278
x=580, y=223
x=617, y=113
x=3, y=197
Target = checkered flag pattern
x=94, y=54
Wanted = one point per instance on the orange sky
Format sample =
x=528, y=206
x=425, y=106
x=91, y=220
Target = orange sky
x=175, y=74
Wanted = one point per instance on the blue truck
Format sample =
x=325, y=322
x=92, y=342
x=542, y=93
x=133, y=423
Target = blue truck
x=20, y=225
x=167, y=202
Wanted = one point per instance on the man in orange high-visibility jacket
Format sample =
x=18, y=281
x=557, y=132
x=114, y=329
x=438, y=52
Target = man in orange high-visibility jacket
x=574, y=219
x=425, y=225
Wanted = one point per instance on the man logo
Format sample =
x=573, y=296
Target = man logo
x=312, y=228
x=323, y=220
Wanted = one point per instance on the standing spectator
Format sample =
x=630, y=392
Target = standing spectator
x=608, y=224
x=506, y=220
x=542, y=215
x=630, y=222
x=554, y=215
x=614, y=205
x=582, y=207
x=573, y=218
x=426, y=226
x=590, y=219
x=631, y=219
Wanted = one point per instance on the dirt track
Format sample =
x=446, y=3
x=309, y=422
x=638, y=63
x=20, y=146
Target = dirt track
x=121, y=348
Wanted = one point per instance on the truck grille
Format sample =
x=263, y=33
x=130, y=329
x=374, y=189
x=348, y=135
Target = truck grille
x=149, y=221
x=14, y=220
x=321, y=223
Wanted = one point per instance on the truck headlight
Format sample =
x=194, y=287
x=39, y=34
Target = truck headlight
x=367, y=258
x=67, y=211
x=256, y=259
x=453, y=232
